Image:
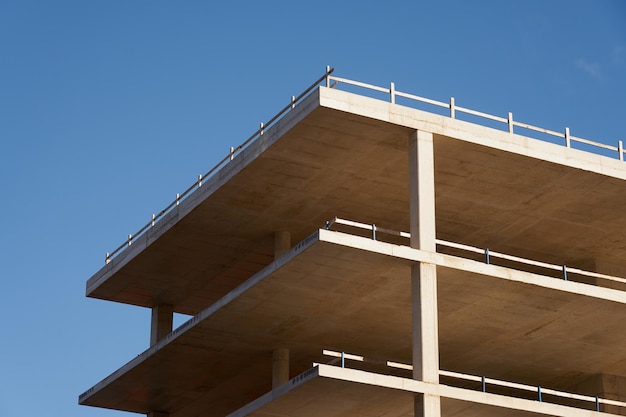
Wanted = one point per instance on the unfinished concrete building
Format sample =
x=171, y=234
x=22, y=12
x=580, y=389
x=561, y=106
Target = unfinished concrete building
x=373, y=253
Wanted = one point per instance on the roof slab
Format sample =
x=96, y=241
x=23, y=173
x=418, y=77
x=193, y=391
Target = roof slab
x=349, y=293
x=345, y=155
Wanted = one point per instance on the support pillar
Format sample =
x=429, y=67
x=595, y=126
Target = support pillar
x=425, y=334
x=280, y=367
x=422, y=191
x=161, y=323
x=282, y=243
x=280, y=357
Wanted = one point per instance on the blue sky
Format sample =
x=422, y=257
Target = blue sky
x=109, y=108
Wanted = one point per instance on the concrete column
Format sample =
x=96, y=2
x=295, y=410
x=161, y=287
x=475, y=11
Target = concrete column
x=602, y=267
x=425, y=334
x=282, y=243
x=280, y=367
x=425, y=322
x=280, y=357
x=422, y=191
x=607, y=386
x=162, y=322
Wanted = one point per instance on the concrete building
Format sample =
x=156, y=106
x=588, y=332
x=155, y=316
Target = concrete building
x=360, y=256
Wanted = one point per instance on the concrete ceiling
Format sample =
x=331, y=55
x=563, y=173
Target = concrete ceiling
x=322, y=162
x=331, y=296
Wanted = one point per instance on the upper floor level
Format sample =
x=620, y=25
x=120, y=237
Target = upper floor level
x=334, y=153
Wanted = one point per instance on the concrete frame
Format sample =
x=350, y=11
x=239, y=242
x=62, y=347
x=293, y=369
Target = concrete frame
x=333, y=288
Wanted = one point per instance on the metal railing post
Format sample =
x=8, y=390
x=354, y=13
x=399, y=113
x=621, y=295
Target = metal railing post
x=452, y=109
x=327, y=75
x=510, y=122
x=392, y=93
x=484, y=384
x=487, y=260
x=568, y=143
x=620, y=149
x=373, y=232
x=539, y=394
x=343, y=359
x=564, y=273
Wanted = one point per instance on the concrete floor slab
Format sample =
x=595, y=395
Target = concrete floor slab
x=349, y=293
x=509, y=193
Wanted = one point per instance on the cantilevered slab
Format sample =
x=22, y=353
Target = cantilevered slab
x=335, y=392
x=340, y=154
x=351, y=293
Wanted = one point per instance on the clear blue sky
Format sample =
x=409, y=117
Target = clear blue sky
x=109, y=108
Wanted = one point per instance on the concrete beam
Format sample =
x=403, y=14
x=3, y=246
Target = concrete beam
x=162, y=322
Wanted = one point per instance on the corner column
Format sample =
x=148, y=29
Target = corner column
x=161, y=323
x=425, y=332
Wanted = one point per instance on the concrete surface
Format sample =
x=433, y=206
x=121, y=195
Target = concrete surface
x=335, y=392
x=352, y=294
x=506, y=192
x=224, y=256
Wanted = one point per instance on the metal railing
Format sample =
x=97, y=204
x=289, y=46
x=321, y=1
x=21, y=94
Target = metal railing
x=330, y=81
x=342, y=357
x=488, y=255
x=508, y=121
